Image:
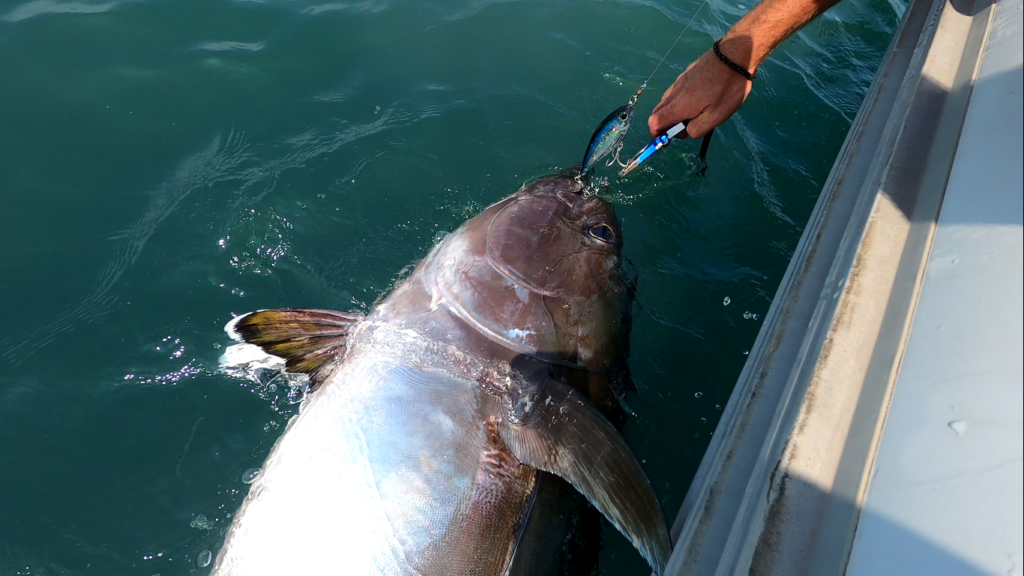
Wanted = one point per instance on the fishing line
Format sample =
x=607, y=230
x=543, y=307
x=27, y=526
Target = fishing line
x=663, y=58
x=611, y=132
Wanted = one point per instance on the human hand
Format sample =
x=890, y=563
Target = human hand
x=706, y=94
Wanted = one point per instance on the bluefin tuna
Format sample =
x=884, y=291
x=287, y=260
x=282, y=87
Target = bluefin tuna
x=433, y=422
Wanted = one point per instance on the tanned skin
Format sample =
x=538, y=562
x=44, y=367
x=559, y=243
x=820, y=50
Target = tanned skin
x=709, y=92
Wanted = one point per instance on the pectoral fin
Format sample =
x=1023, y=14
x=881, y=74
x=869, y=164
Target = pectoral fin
x=310, y=341
x=551, y=427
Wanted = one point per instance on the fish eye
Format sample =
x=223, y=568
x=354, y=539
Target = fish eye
x=602, y=232
x=624, y=116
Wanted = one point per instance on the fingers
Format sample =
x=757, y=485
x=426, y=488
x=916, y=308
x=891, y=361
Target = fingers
x=681, y=110
x=677, y=107
x=705, y=95
x=712, y=116
x=701, y=125
x=656, y=124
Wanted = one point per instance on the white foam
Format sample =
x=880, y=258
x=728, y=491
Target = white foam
x=248, y=357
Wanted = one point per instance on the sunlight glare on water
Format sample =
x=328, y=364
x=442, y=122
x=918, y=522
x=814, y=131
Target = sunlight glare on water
x=166, y=166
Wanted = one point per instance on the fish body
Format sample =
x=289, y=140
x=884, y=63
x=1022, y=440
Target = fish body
x=440, y=423
x=608, y=136
x=384, y=472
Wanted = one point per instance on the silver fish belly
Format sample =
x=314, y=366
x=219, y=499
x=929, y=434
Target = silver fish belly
x=394, y=457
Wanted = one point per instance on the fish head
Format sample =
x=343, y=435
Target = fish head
x=540, y=274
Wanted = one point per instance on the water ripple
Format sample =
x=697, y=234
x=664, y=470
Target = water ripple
x=762, y=181
x=370, y=6
x=215, y=163
x=224, y=160
x=474, y=7
x=231, y=46
x=40, y=7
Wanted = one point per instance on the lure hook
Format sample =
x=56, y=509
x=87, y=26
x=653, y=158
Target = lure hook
x=615, y=159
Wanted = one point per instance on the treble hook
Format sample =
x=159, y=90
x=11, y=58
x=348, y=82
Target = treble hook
x=629, y=110
x=618, y=149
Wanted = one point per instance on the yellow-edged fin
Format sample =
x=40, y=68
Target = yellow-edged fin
x=310, y=341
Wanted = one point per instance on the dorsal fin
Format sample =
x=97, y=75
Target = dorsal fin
x=551, y=427
x=310, y=341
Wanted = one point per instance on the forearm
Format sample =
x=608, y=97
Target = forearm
x=754, y=37
x=709, y=91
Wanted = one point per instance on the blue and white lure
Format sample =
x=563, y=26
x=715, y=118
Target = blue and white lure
x=608, y=137
x=612, y=130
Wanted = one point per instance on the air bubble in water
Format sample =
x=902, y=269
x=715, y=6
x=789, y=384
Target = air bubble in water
x=261, y=492
x=698, y=395
x=201, y=522
x=271, y=387
x=204, y=558
x=251, y=475
x=750, y=316
x=727, y=301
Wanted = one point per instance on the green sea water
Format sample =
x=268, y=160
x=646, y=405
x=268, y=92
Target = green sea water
x=166, y=164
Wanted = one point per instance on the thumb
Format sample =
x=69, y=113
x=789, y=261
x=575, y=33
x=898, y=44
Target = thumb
x=657, y=124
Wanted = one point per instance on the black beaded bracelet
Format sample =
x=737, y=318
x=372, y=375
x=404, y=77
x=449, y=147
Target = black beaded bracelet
x=739, y=69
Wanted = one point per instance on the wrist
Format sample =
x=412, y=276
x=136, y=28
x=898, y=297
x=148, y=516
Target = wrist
x=738, y=68
x=741, y=48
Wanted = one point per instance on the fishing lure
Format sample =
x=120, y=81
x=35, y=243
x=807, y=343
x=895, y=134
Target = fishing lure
x=608, y=137
x=657, y=144
x=677, y=131
x=612, y=130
